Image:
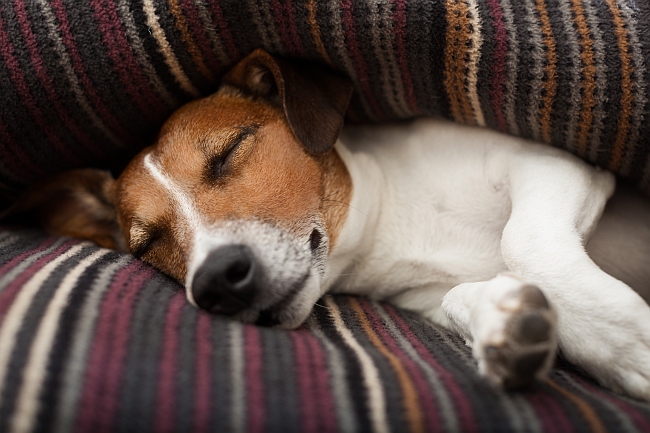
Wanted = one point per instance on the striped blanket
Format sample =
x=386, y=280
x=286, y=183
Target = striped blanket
x=95, y=341
x=89, y=83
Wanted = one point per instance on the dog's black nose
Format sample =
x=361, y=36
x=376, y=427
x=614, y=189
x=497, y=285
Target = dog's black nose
x=226, y=282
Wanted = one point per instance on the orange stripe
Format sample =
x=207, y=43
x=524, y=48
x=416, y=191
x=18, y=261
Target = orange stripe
x=549, y=85
x=315, y=31
x=192, y=48
x=589, y=80
x=413, y=412
x=587, y=411
x=458, y=40
x=626, y=87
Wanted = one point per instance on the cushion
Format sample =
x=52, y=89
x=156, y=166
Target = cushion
x=92, y=340
x=89, y=84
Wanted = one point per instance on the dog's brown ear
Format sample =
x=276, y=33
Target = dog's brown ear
x=313, y=97
x=76, y=203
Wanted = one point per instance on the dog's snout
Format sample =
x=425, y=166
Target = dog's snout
x=226, y=282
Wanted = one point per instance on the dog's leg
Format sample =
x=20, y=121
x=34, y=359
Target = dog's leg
x=509, y=325
x=603, y=325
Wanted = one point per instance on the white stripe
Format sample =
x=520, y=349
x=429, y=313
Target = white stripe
x=475, y=57
x=16, y=314
x=76, y=362
x=371, y=379
x=237, y=395
x=166, y=50
x=28, y=402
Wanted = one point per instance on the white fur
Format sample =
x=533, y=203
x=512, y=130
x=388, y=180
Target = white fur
x=437, y=205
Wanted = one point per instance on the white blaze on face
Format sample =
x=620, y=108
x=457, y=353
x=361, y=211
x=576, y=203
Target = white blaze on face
x=192, y=221
x=285, y=258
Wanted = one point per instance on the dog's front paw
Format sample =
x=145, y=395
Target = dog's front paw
x=515, y=336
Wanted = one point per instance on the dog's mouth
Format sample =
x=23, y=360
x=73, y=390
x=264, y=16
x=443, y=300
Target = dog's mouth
x=272, y=316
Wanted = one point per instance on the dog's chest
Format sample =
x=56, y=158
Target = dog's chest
x=443, y=206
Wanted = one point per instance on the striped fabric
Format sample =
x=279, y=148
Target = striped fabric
x=89, y=83
x=95, y=341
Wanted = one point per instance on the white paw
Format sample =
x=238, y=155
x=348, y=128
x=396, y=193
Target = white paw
x=514, y=333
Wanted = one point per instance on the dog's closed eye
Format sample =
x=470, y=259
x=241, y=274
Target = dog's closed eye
x=221, y=164
x=144, y=240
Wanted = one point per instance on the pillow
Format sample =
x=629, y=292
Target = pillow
x=90, y=83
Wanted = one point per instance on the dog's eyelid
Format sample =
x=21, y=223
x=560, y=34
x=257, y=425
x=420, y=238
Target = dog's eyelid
x=143, y=238
x=218, y=165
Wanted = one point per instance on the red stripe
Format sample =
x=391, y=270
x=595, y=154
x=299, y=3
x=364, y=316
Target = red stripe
x=224, y=31
x=166, y=401
x=399, y=30
x=9, y=293
x=325, y=411
x=22, y=88
x=125, y=64
x=198, y=34
x=82, y=76
x=101, y=389
x=202, y=378
x=465, y=413
x=307, y=400
x=44, y=77
x=425, y=398
x=285, y=23
x=498, y=63
x=550, y=413
x=347, y=16
x=254, y=380
x=641, y=420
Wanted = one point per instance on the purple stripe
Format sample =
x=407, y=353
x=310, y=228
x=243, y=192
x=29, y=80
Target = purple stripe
x=283, y=15
x=498, y=64
x=463, y=405
x=347, y=7
x=22, y=88
x=168, y=366
x=8, y=295
x=224, y=31
x=642, y=421
x=326, y=411
x=126, y=66
x=198, y=33
x=80, y=71
x=202, y=378
x=102, y=384
x=253, y=357
x=425, y=398
x=43, y=75
x=550, y=413
x=399, y=29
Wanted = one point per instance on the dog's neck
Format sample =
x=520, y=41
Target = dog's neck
x=356, y=234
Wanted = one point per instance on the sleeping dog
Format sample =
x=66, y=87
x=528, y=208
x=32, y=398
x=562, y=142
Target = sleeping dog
x=257, y=201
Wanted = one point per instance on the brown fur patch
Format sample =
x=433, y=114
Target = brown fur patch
x=270, y=178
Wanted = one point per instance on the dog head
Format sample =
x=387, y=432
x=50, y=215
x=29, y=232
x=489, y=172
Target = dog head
x=240, y=198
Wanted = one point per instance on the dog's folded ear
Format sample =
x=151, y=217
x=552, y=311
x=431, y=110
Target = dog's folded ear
x=313, y=97
x=76, y=203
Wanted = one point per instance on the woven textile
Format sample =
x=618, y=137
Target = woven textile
x=89, y=83
x=95, y=341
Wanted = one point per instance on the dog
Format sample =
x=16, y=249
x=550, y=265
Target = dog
x=259, y=203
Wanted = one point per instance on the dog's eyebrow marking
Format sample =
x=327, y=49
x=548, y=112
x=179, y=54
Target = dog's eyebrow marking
x=184, y=203
x=225, y=140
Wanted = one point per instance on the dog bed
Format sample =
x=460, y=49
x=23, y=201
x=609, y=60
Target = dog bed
x=94, y=340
